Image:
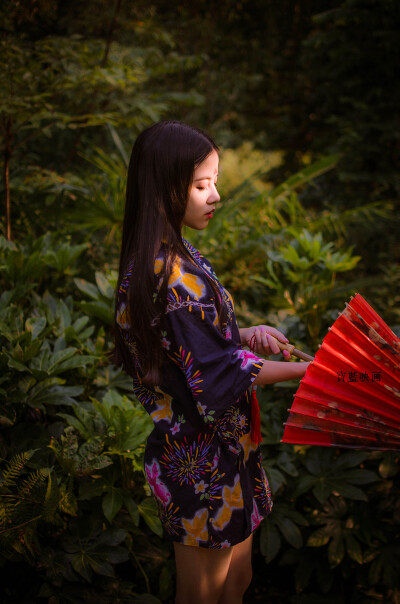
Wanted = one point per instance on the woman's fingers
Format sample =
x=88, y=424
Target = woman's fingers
x=264, y=341
x=277, y=334
x=272, y=343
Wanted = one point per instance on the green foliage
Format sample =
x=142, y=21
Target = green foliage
x=331, y=521
x=101, y=296
x=28, y=500
x=308, y=217
x=297, y=257
x=76, y=439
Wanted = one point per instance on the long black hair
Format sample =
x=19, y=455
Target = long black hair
x=160, y=173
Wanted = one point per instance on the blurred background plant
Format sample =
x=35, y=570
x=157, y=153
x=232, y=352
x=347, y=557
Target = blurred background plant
x=307, y=121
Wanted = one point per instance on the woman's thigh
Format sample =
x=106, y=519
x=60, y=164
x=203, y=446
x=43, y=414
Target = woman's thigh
x=239, y=573
x=200, y=573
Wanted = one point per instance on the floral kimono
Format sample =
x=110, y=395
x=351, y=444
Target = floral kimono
x=201, y=464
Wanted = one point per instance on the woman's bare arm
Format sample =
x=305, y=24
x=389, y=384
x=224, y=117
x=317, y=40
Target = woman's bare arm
x=280, y=371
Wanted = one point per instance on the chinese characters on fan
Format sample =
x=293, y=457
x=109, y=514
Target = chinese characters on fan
x=358, y=376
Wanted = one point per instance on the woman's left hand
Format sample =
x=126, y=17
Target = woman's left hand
x=259, y=339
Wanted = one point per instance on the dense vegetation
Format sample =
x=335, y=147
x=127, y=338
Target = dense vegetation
x=302, y=96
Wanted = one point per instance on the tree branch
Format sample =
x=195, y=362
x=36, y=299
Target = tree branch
x=7, y=159
x=110, y=33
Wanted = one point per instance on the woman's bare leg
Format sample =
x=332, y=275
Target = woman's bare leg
x=239, y=573
x=200, y=573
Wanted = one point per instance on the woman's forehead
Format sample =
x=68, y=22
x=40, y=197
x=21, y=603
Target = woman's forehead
x=208, y=168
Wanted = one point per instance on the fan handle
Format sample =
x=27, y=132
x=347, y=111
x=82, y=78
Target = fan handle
x=294, y=351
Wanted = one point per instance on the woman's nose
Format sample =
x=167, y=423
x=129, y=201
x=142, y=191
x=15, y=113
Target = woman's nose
x=214, y=195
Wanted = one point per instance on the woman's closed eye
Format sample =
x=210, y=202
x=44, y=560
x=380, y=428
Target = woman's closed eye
x=199, y=188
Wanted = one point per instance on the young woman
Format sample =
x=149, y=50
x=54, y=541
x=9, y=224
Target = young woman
x=177, y=336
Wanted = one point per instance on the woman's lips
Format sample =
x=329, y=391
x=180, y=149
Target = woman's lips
x=210, y=214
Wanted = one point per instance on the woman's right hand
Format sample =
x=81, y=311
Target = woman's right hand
x=263, y=339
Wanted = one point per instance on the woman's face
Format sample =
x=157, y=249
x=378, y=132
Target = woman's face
x=203, y=194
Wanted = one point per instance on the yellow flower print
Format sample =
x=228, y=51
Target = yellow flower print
x=233, y=495
x=196, y=528
x=158, y=264
x=248, y=446
x=122, y=317
x=163, y=411
x=201, y=408
x=233, y=499
x=192, y=283
x=223, y=517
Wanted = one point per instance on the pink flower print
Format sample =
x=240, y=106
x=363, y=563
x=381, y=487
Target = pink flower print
x=176, y=428
x=201, y=408
x=225, y=544
x=248, y=358
x=159, y=489
x=228, y=333
x=255, y=517
x=200, y=487
x=214, y=463
x=164, y=342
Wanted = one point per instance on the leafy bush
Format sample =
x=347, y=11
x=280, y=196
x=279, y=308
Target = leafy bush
x=76, y=512
x=73, y=497
x=335, y=521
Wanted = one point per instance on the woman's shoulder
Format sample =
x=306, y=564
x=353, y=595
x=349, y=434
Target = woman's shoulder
x=187, y=278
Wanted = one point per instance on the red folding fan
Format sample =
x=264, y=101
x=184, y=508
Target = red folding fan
x=350, y=394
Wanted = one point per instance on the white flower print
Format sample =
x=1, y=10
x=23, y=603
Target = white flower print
x=201, y=408
x=200, y=487
x=176, y=428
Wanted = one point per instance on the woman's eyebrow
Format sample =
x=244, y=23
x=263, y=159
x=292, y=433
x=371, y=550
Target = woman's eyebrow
x=205, y=177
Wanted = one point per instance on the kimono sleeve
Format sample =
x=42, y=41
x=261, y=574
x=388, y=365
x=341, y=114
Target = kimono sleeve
x=217, y=370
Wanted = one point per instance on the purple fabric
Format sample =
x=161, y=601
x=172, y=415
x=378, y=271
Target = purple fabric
x=200, y=463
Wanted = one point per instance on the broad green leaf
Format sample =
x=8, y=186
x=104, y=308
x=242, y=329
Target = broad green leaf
x=13, y=364
x=105, y=288
x=132, y=508
x=98, y=309
x=100, y=566
x=275, y=478
x=148, y=510
x=351, y=492
x=80, y=565
x=36, y=325
x=361, y=476
x=318, y=538
x=270, y=540
x=112, y=503
x=291, y=532
x=112, y=537
x=87, y=288
x=353, y=548
x=336, y=551
x=118, y=554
